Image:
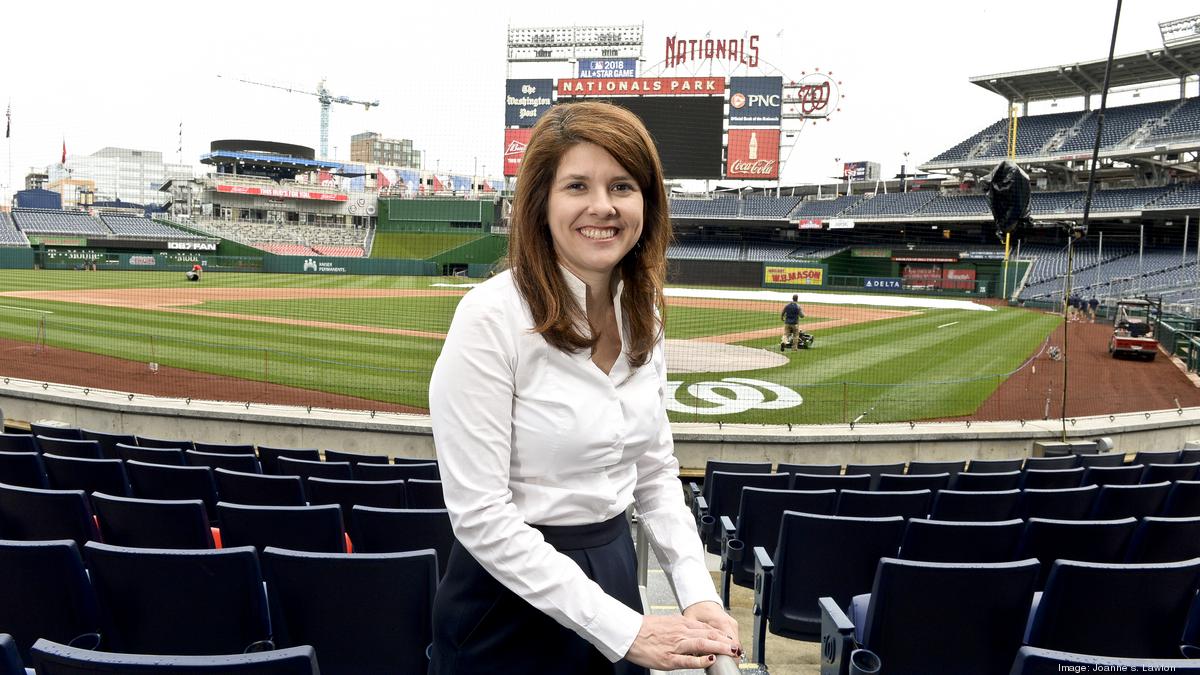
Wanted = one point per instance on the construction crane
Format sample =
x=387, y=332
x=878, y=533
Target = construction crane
x=326, y=99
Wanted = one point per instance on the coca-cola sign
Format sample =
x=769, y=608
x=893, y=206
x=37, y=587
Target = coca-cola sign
x=753, y=154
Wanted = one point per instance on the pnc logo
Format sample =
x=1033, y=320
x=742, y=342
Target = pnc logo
x=765, y=100
x=737, y=101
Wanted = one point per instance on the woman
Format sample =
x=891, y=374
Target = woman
x=549, y=418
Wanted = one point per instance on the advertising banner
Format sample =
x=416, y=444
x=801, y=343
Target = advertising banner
x=959, y=280
x=793, y=276
x=854, y=170
x=753, y=153
x=841, y=224
x=755, y=101
x=525, y=101
x=281, y=192
x=642, y=86
x=607, y=68
x=515, y=141
x=918, y=255
x=922, y=276
x=809, y=224
x=883, y=283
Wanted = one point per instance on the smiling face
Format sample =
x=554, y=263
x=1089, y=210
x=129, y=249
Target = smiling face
x=595, y=213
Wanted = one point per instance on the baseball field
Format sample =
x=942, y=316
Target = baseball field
x=375, y=338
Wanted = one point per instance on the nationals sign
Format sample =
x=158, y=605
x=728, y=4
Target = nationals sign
x=642, y=86
x=753, y=153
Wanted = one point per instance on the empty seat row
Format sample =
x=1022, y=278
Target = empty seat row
x=362, y=613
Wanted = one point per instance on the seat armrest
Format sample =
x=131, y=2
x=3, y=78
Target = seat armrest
x=837, y=638
x=1033, y=606
x=693, y=493
x=699, y=509
x=764, y=573
x=731, y=546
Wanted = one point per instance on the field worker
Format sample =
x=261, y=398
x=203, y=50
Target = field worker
x=1093, y=304
x=195, y=272
x=791, y=316
x=549, y=419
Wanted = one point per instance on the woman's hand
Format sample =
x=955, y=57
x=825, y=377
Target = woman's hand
x=674, y=641
x=714, y=615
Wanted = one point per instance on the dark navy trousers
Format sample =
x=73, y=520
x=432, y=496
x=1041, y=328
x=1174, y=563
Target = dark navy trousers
x=479, y=626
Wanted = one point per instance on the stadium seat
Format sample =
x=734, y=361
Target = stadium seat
x=1103, y=541
x=30, y=514
x=154, y=481
x=1157, y=473
x=270, y=456
x=161, y=456
x=961, y=542
x=968, y=481
x=64, y=447
x=756, y=523
x=216, y=460
x=259, y=489
x=927, y=617
x=879, y=504
x=875, y=471
x=1129, y=610
x=1034, y=661
x=10, y=656
x=375, y=530
x=811, y=469
x=974, y=506
x=23, y=469
x=1113, y=475
x=355, y=457
x=1061, y=504
x=392, y=472
x=348, y=493
x=1121, y=501
x=89, y=475
x=1051, y=463
x=806, y=481
x=1051, y=479
x=148, y=442
x=1183, y=500
x=307, y=469
x=724, y=497
x=53, y=597
x=55, y=431
x=424, y=494
x=224, y=448
x=52, y=658
x=18, y=443
x=1106, y=459
x=817, y=556
x=1164, y=540
x=995, y=465
x=720, y=465
x=152, y=523
x=107, y=441
x=169, y=601
x=300, y=528
x=1144, y=457
x=891, y=482
x=382, y=626
x=414, y=460
x=921, y=468
x=1189, y=455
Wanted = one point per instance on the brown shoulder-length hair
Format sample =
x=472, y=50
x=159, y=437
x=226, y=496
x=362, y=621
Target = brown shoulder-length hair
x=556, y=314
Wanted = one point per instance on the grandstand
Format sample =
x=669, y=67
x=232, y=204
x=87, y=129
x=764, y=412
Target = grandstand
x=9, y=234
x=130, y=226
x=46, y=221
x=282, y=239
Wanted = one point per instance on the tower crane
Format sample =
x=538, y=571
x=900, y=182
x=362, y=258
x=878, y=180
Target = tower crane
x=326, y=99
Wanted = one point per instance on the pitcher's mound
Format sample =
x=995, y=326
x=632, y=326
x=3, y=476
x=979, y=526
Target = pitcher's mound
x=694, y=356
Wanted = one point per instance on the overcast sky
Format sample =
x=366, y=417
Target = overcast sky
x=127, y=74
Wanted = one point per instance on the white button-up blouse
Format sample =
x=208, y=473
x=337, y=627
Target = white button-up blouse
x=528, y=434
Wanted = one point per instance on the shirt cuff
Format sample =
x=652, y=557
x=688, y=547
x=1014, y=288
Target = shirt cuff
x=614, y=629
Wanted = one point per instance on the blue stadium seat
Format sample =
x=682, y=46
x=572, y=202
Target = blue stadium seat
x=961, y=542
x=1183, y=500
x=1051, y=463
x=890, y=482
x=23, y=469
x=1103, y=541
x=348, y=493
x=756, y=523
x=308, y=469
x=10, y=656
x=65, y=447
x=1057, y=504
x=703, y=489
x=1121, y=501
x=1144, y=457
x=1106, y=459
x=45, y=592
x=393, y=472
x=269, y=456
x=1165, y=540
x=868, y=504
x=974, y=505
x=806, y=481
x=811, y=469
x=51, y=658
x=875, y=471
x=152, y=523
x=1113, y=475
x=924, y=617
x=154, y=481
x=161, y=456
x=375, y=530
x=29, y=514
x=89, y=475
x=18, y=443
x=224, y=448
x=300, y=528
x=148, y=442
x=919, y=468
x=247, y=463
x=108, y=441
x=724, y=498
x=995, y=465
x=56, y=431
x=991, y=481
x=1052, y=479
x=1157, y=473
x=355, y=457
x=424, y=494
x=1035, y=661
x=167, y=601
x=1134, y=610
x=259, y=489
x=381, y=604
x=817, y=556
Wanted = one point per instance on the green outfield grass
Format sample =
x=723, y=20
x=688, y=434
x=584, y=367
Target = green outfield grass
x=896, y=369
